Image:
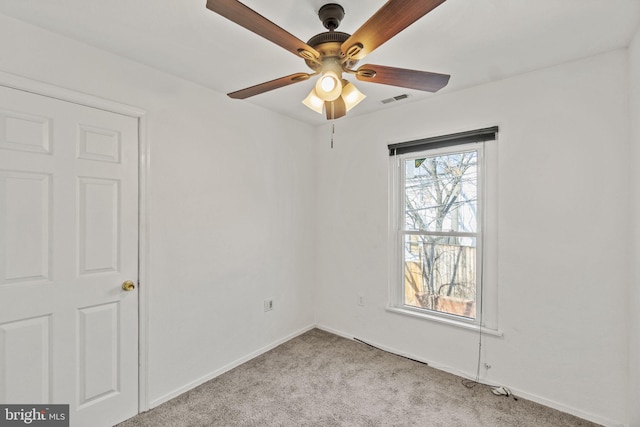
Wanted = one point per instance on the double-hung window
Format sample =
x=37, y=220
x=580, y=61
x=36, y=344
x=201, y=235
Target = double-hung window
x=437, y=210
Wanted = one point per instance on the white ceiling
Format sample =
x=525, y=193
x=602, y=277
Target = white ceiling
x=475, y=41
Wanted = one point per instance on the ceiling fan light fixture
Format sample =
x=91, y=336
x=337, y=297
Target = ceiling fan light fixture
x=313, y=101
x=351, y=95
x=329, y=86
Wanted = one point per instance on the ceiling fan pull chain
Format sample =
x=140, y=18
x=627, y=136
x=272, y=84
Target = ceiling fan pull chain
x=333, y=131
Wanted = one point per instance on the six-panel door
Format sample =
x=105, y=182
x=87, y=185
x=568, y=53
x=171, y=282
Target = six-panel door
x=68, y=240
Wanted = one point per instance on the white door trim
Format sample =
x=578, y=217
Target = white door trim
x=45, y=89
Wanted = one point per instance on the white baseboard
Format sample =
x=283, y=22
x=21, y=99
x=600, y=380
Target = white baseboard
x=520, y=393
x=177, y=392
x=564, y=408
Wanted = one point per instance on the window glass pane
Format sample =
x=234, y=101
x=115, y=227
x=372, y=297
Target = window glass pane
x=440, y=192
x=440, y=274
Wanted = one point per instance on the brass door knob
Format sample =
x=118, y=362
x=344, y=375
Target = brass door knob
x=128, y=285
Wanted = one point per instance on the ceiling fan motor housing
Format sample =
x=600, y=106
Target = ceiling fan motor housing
x=328, y=44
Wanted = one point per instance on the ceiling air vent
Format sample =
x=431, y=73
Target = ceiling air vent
x=395, y=98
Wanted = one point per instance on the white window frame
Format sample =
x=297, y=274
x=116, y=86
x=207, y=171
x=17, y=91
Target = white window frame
x=486, y=241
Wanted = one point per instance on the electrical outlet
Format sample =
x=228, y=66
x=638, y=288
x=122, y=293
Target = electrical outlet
x=361, y=300
x=268, y=305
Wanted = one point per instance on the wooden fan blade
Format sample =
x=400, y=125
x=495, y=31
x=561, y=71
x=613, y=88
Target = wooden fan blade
x=251, y=20
x=335, y=109
x=389, y=20
x=412, y=79
x=270, y=85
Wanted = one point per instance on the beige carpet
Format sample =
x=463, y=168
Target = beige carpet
x=320, y=379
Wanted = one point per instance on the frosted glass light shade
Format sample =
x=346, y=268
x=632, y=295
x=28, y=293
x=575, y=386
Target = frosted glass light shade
x=314, y=102
x=351, y=95
x=328, y=86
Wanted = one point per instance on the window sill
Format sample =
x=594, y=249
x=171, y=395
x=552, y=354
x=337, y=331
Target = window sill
x=446, y=321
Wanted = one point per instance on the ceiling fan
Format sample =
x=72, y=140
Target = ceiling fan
x=332, y=53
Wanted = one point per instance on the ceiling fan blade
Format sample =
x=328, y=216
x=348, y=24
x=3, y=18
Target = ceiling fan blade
x=412, y=79
x=335, y=109
x=270, y=85
x=251, y=20
x=389, y=20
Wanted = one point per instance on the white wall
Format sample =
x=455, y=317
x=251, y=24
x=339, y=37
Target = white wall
x=563, y=225
x=230, y=207
x=634, y=294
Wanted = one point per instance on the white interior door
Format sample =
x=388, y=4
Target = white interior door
x=68, y=240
